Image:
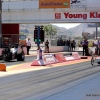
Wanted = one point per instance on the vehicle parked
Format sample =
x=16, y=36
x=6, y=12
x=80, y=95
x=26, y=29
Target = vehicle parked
x=13, y=52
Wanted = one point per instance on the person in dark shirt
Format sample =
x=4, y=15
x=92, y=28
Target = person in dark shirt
x=85, y=47
x=74, y=45
x=47, y=46
x=69, y=45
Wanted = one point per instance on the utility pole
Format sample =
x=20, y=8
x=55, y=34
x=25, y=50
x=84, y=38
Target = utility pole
x=0, y=23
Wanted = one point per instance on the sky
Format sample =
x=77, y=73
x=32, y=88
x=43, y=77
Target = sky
x=68, y=25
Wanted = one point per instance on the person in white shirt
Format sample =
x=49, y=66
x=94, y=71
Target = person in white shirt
x=96, y=45
x=28, y=46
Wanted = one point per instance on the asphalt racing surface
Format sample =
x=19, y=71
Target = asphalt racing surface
x=15, y=62
x=64, y=82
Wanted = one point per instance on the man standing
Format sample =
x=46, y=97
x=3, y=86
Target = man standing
x=47, y=46
x=28, y=46
x=85, y=47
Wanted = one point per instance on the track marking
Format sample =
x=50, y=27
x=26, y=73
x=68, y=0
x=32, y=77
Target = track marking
x=13, y=66
x=47, y=66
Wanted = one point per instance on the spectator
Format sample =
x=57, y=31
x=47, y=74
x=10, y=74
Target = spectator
x=85, y=47
x=95, y=43
x=74, y=45
x=58, y=42
x=66, y=43
x=99, y=46
x=28, y=43
x=47, y=46
x=69, y=45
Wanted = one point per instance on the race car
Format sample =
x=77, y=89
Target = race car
x=13, y=52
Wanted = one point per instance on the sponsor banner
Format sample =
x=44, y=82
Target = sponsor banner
x=49, y=59
x=68, y=58
x=77, y=15
x=78, y=3
x=22, y=37
x=60, y=57
x=57, y=15
x=54, y=4
x=76, y=55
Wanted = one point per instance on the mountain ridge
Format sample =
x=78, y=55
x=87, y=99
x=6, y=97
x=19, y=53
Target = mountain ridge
x=74, y=31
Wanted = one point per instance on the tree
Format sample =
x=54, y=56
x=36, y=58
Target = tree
x=79, y=37
x=21, y=33
x=50, y=30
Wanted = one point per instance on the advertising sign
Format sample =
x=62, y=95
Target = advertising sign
x=49, y=59
x=54, y=3
x=69, y=58
x=22, y=37
x=78, y=3
x=57, y=15
x=78, y=15
x=22, y=40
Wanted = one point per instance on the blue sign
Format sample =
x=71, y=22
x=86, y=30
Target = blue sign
x=22, y=37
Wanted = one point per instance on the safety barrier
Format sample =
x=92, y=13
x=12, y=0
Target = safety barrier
x=69, y=58
x=55, y=58
x=46, y=59
x=60, y=57
x=37, y=62
x=2, y=67
x=76, y=55
x=49, y=59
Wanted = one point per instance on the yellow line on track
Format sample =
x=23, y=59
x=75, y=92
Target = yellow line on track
x=13, y=66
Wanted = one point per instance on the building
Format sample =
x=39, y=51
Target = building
x=88, y=35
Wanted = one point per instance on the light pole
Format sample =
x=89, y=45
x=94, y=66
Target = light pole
x=0, y=23
x=96, y=31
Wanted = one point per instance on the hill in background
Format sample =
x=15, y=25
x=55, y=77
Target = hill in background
x=75, y=31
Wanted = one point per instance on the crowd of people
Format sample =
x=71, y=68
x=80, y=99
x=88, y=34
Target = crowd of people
x=70, y=43
x=85, y=45
x=96, y=44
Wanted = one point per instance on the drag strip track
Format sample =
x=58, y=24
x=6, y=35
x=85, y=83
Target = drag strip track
x=14, y=62
x=38, y=85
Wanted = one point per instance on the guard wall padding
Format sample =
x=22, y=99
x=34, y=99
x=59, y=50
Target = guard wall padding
x=60, y=57
x=69, y=58
x=37, y=63
x=76, y=55
x=49, y=59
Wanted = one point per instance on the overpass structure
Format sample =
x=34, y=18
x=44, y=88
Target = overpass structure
x=15, y=12
x=50, y=11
